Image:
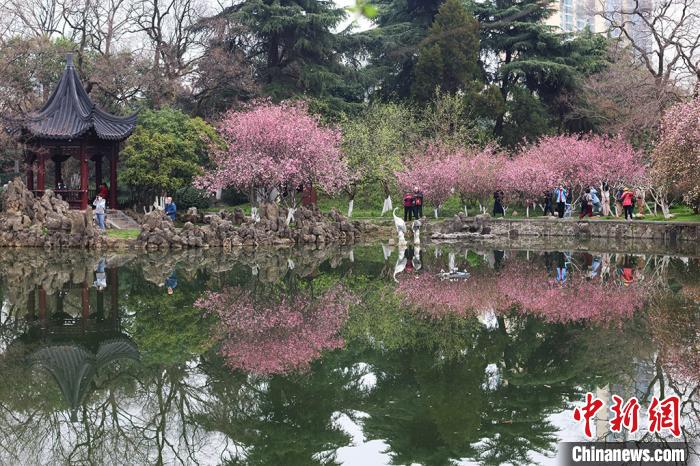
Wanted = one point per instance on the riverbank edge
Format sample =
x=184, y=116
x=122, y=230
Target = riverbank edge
x=534, y=233
x=461, y=226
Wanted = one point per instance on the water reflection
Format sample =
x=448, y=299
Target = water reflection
x=320, y=357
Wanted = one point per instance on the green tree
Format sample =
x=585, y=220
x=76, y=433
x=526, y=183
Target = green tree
x=166, y=151
x=526, y=117
x=295, y=50
x=533, y=56
x=448, y=56
x=375, y=144
x=460, y=119
x=393, y=44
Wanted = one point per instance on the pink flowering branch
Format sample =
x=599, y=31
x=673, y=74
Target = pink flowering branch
x=276, y=147
x=433, y=170
x=578, y=161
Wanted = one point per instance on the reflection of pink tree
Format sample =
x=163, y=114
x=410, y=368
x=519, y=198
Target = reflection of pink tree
x=577, y=299
x=675, y=329
x=529, y=289
x=439, y=297
x=280, y=336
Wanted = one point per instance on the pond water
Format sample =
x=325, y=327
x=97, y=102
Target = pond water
x=365, y=356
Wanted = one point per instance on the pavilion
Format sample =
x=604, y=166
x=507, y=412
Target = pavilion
x=71, y=125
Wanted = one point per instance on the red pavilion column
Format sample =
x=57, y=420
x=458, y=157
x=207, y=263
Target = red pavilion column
x=84, y=174
x=41, y=172
x=98, y=172
x=30, y=171
x=42, y=305
x=113, y=161
x=85, y=301
x=30, y=176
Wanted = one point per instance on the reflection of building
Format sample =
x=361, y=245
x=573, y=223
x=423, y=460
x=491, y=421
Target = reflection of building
x=639, y=387
x=75, y=335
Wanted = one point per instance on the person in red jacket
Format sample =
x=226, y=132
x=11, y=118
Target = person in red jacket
x=627, y=203
x=408, y=203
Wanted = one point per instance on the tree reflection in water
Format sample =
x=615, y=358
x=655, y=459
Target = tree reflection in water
x=436, y=370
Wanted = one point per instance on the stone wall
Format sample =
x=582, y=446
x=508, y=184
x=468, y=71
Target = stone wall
x=232, y=229
x=670, y=232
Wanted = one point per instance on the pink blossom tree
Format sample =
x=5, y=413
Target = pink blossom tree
x=676, y=158
x=434, y=171
x=478, y=175
x=276, y=148
x=527, y=176
x=584, y=161
x=277, y=336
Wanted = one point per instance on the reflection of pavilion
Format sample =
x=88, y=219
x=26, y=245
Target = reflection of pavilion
x=74, y=367
x=57, y=313
x=76, y=341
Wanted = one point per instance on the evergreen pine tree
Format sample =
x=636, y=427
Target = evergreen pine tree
x=296, y=50
x=401, y=26
x=532, y=56
x=448, y=56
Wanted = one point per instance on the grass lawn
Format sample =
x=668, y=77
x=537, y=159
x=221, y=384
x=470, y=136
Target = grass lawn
x=128, y=233
x=368, y=205
x=681, y=214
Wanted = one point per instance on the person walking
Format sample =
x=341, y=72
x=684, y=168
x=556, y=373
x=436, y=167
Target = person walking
x=627, y=199
x=170, y=208
x=586, y=204
x=498, y=204
x=618, y=202
x=560, y=196
x=407, y=207
x=417, y=203
x=595, y=200
x=605, y=199
x=100, y=205
x=548, y=206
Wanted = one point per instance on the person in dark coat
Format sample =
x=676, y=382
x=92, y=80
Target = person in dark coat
x=548, y=205
x=498, y=204
x=170, y=208
x=417, y=203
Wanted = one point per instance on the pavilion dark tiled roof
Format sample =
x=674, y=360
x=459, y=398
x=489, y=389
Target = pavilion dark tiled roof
x=69, y=113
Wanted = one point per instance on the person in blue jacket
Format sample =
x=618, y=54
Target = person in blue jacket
x=170, y=208
x=560, y=198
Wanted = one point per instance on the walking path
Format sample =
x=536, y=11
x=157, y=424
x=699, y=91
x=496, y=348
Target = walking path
x=120, y=221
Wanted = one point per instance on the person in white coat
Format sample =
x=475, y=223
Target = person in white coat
x=100, y=206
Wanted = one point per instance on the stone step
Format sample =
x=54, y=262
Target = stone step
x=120, y=221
